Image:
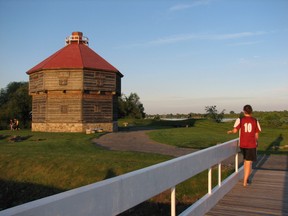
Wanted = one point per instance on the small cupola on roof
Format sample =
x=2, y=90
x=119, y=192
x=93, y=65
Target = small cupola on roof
x=74, y=90
x=77, y=37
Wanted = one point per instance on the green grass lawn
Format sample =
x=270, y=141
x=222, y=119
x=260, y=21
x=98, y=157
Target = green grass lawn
x=56, y=162
x=206, y=133
x=35, y=164
x=203, y=134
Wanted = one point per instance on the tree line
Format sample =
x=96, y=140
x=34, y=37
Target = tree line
x=16, y=103
x=272, y=119
x=130, y=107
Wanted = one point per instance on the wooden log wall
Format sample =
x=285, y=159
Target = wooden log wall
x=39, y=107
x=118, y=85
x=52, y=80
x=63, y=107
x=36, y=82
x=101, y=81
x=97, y=108
x=115, y=107
x=63, y=80
x=75, y=99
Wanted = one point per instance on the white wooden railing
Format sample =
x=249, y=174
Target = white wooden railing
x=118, y=194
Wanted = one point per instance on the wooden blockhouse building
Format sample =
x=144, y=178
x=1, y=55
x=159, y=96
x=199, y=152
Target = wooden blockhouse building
x=74, y=90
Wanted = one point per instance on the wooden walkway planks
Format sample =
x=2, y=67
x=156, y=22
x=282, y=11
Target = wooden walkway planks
x=267, y=195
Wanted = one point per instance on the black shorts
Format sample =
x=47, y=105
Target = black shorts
x=249, y=154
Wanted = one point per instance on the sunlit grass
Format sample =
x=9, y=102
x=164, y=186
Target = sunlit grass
x=37, y=164
x=206, y=133
x=57, y=162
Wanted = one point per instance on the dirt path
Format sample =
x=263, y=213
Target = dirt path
x=138, y=141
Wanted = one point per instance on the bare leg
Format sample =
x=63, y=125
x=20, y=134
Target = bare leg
x=247, y=171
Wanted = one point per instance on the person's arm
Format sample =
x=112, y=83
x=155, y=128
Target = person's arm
x=256, y=138
x=232, y=131
x=236, y=127
x=258, y=130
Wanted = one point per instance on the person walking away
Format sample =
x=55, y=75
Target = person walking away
x=249, y=129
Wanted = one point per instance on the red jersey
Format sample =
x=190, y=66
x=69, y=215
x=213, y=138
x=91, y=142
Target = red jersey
x=248, y=127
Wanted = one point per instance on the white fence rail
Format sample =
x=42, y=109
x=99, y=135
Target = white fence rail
x=118, y=194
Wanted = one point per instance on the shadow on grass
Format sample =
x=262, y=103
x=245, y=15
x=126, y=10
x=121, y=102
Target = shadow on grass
x=110, y=174
x=16, y=193
x=265, y=155
x=153, y=209
x=275, y=145
x=159, y=124
x=18, y=138
x=3, y=136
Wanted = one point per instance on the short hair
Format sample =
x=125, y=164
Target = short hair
x=247, y=109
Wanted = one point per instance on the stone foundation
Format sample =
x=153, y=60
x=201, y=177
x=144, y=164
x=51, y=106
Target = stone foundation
x=74, y=127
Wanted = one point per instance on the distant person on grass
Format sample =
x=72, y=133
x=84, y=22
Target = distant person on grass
x=249, y=129
x=16, y=124
x=11, y=124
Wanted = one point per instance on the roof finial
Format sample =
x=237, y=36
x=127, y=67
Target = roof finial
x=77, y=37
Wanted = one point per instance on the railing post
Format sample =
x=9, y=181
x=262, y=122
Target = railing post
x=209, y=180
x=219, y=175
x=173, y=201
x=236, y=162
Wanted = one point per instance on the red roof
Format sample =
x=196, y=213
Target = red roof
x=74, y=56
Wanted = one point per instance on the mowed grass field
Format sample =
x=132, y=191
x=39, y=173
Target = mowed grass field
x=41, y=164
x=35, y=165
x=206, y=133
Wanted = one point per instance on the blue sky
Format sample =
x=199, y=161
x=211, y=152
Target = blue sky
x=178, y=56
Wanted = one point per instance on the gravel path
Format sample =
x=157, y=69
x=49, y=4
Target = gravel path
x=138, y=141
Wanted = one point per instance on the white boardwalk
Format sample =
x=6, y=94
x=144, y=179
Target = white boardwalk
x=267, y=195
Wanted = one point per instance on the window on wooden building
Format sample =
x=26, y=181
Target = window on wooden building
x=99, y=79
x=97, y=108
x=64, y=109
x=99, y=82
x=63, y=82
